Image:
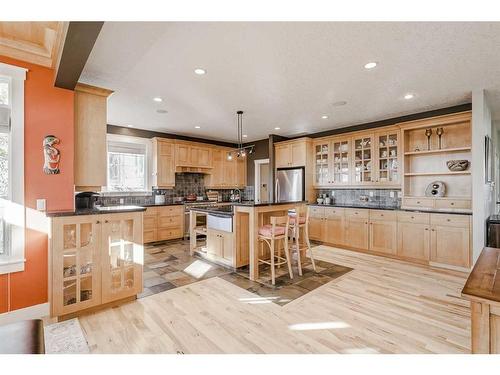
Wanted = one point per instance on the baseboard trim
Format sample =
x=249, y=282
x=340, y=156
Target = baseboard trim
x=31, y=312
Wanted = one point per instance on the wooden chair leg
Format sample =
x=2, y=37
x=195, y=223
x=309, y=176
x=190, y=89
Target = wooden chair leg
x=273, y=272
x=306, y=230
x=288, y=257
x=297, y=248
x=279, y=253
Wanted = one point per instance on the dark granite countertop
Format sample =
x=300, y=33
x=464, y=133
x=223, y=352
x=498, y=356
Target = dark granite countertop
x=390, y=208
x=253, y=204
x=96, y=211
x=161, y=204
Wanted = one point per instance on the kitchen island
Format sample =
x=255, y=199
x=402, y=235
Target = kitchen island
x=232, y=231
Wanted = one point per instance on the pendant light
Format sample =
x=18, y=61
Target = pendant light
x=242, y=151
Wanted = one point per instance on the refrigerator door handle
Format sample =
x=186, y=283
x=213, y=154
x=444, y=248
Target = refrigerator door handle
x=277, y=190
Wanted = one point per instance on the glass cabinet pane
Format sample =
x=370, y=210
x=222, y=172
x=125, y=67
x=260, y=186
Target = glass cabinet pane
x=86, y=235
x=388, y=157
x=341, y=162
x=85, y=288
x=69, y=265
x=69, y=292
x=129, y=277
x=363, y=159
x=115, y=236
x=86, y=262
x=322, y=157
x=115, y=256
x=69, y=236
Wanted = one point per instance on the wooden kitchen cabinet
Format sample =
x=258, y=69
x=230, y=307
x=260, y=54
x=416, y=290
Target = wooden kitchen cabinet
x=90, y=124
x=387, y=157
x=356, y=232
x=122, y=256
x=414, y=236
x=316, y=228
x=383, y=232
x=291, y=153
x=226, y=174
x=192, y=155
x=334, y=227
x=363, y=159
x=220, y=246
x=450, y=240
x=94, y=259
x=163, y=163
x=170, y=222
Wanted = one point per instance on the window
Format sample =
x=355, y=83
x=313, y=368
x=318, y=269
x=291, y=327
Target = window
x=128, y=164
x=12, y=210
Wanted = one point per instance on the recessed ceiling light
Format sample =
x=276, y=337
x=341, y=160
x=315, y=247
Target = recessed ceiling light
x=370, y=65
x=197, y=127
x=158, y=99
x=244, y=135
x=200, y=71
x=161, y=111
x=409, y=96
x=339, y=103
x=324, y=117
x=130, y=126
x=277, y=128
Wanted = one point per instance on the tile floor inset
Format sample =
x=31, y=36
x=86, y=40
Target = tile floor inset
x=168, y=265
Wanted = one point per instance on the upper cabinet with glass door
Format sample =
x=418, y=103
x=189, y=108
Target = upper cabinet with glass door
x=340, y=161
x=322, y=154
x=363, y=158
x=388, y=158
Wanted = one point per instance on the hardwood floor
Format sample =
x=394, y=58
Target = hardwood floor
x=382, y=306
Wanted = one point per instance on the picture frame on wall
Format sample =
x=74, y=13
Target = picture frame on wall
x=488, y=160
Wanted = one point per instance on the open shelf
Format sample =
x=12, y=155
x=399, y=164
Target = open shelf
x=449, y=173
x=201, y=230
x=438, y=151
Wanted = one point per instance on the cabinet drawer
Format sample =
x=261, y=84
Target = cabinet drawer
x=453, y=203
x=354, y=212
x=383, y=215
x=450, y=220
x=413, y=217
x=150, y=222
x=170, y=210
x=149, y=235
x=331, y=212
x=418, y=202
x=170, y=221
x=315, y=211
x=169, y=234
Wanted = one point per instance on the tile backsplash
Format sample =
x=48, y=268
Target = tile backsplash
x=381, y=197
x=185, y=183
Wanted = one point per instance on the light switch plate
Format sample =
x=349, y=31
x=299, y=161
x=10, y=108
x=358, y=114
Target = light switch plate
x=122, y=200
x=41, y=204
x=391, y=194
x=400, y=195
x=333, y=193
x=371, y=193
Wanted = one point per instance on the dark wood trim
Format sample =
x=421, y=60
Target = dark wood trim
x=79, y=41
x=143, y=133
x=390, y=121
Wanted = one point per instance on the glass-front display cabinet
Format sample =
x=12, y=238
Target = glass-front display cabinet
x=340, y=162
x=75, y=264
x=363, y=159
x=388, y=158
x=122, y=257
x=322, y=164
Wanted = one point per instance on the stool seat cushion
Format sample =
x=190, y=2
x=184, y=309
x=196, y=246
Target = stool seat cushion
x=267, y=230
x=302, y=219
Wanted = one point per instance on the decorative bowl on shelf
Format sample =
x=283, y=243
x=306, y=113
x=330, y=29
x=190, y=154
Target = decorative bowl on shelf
x=320, y=200
x=457, y=165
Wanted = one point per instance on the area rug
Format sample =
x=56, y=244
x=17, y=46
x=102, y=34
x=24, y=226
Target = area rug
x=65, y=338
x=285, y=289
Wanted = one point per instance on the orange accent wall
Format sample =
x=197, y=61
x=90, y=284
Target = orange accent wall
x=47, y=110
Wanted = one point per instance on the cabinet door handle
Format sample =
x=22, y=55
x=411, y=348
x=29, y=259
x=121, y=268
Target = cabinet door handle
x=426, y=228
x=98, y=222
x=433, y=230
x=105, y=221
x=452, y=203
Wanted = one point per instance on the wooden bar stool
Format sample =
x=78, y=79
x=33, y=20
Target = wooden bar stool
x=270, y=234
x=299, y=220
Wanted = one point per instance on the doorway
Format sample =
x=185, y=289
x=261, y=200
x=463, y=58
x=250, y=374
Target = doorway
x=261, y=180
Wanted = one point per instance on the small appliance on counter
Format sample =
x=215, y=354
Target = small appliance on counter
x=191, y=197
x=86, y=200
x=159, y=197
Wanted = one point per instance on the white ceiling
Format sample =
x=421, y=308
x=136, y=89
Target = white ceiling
x=285, y=74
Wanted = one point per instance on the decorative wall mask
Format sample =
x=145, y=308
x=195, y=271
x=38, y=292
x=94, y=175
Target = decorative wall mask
x=51, y=155
x=435, y=189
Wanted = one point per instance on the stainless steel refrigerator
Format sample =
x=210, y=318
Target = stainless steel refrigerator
x=290, y=184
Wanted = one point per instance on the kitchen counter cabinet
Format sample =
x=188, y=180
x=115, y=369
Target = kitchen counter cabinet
x=163, y=163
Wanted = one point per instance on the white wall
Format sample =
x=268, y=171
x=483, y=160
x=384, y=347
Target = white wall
x=483, y=202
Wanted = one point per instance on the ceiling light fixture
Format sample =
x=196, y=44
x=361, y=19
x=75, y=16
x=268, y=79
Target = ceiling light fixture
x=130, y=126
x=277, y=128
x=370, y=65
x=340, y=103
x=162, y=111
x=197, y=127
x=157, y=99
x=409, y=96
x=324, y=117
x=242, y=150
x=245, y=136
x=200, y=71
